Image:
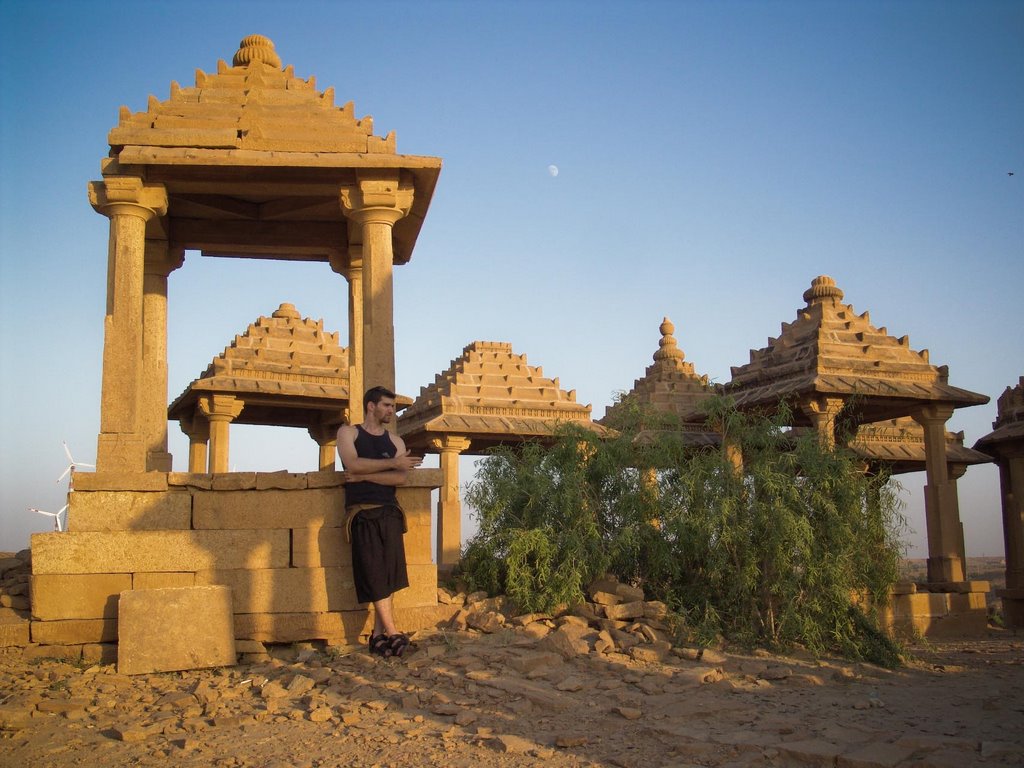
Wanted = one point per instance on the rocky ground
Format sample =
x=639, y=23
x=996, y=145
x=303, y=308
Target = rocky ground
x=509, y=698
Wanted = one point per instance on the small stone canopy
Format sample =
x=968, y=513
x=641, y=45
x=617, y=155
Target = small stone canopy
x=250, y=162
x=1006, y=445
x=829, y=350
x=488, y=397
x=670, y=385
x=899, y=445
x=830, y=358
x=491, y=396
x=252, y=158
x=285, y=370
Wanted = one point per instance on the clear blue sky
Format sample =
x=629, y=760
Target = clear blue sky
x=713, y=158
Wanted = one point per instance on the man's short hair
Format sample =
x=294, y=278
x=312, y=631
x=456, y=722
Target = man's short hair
x=376, y=394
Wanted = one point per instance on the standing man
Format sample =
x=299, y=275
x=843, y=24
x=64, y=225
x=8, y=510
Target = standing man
x=375, y=462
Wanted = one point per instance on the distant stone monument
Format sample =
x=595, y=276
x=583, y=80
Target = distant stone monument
x=1006, y=444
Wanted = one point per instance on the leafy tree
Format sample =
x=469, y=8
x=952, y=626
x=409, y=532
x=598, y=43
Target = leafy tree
x=771, y=555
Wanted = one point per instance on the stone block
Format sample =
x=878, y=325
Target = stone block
x=14, y=633
x=325, y=479
x=132, y=551
x=234, y=481
x=77, y=596
x=74, y=631
x=312, y=590
x=323, y=547
x=177, y=628
x=283, y=480
x=268, y=509
x=120, y=481
x=967, y=601
x=162, y=580
x=129, y=510
x=286, y=590
x=202, y=481
x=623, y=611
x=99, y=653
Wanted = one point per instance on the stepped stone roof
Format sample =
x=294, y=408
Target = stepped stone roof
x=670, y=385
x=285, y=368
x=494, y=397
x=1009, y=424
x=900, y=444
x=831, y=350
x=251, y=149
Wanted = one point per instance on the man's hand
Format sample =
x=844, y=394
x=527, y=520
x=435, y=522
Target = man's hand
x=406, y=461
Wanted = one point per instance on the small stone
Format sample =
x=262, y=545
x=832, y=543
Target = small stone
x=630, y=713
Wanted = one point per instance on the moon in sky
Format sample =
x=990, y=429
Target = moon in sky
x=553, y=170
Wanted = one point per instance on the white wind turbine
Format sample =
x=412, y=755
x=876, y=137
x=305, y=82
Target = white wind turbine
x=55, y=515
x=72, y=466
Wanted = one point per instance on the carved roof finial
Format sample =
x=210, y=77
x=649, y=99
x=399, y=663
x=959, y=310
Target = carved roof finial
x=822, y=287
x=667, y=348
x=287, y=310
x=256, y=48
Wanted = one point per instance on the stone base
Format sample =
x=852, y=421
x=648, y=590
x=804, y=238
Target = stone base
x=1013, y=607
x=959, y=610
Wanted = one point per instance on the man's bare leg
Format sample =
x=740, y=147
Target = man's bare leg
x=383, y=621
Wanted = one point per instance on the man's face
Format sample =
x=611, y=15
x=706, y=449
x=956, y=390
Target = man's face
x=383, y=410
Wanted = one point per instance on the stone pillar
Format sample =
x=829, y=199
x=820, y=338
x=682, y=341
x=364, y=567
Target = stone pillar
x=449, y=503
x=733, y=453
x=220, y=411
x=129, y=204
x=1011, y=481
x=822, y=411
x=956, y=471
x=160, y=262
x=327, y=438
x=944, y=537
x=353, y=272
x=197, y=428
x=375, y=203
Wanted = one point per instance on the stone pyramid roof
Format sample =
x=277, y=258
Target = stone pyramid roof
x=831, y=350
x=492, y=396
x=1009, y=424
x=669, y=385
x=900, y=444
x=252, y=105
x=252, y=159
x=286, y=369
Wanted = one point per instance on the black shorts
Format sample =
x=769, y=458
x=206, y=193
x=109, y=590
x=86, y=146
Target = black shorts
x=378, y=553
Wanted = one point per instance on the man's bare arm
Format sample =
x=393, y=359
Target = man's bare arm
x=390, y=477
x=353, y=462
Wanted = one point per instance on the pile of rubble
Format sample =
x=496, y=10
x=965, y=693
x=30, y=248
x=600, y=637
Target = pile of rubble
x=15, y=607
x=617, y=619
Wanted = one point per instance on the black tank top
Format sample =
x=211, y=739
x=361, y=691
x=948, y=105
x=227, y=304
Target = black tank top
x=371, y=447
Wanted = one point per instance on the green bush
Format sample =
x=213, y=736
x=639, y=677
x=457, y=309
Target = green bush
x=770, y=556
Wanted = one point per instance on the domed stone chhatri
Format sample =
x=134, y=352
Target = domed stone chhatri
x=830, y=359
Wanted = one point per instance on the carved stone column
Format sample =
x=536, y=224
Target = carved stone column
x=220, y=411
x=161, y=260
x=327, y=438
x=822, y=411
x=944, y=533
x=353, y=272
x=375, y=203
x=197, y=429
x=449, y=503
x=129, y=204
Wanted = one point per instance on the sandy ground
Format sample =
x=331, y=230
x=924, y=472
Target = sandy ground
x=464, y=699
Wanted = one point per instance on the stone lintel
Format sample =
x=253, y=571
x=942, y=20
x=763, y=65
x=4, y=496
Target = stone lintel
x=153, y=551
x=129, y=510
x=120, y=481
x=268, y=509
x=74, y=631
x=201, y=480
x=77, y=596
x=282, y=480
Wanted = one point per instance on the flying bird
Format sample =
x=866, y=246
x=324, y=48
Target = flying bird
x=55, y=515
